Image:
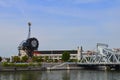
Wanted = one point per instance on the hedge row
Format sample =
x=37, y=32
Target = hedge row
x=20, y=64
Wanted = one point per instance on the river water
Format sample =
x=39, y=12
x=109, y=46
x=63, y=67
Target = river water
x=61, y=75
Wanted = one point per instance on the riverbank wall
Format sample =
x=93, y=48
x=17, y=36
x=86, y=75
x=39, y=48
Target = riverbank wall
x=22, y=69
x=52, y=66
x=44, y=66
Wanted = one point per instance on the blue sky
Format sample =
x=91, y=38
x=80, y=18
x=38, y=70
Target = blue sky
x=59, y=24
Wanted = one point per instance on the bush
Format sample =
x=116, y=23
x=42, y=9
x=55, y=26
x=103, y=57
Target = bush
x=16, y=59
x=21, y=65
x=50, y=60
x=8, y=59
x=24, y=58
x=56, y=60
x=37, y=59
x=5, y=64
x=73, y=60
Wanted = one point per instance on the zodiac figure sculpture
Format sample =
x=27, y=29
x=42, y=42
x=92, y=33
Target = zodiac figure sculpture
x=29, y=45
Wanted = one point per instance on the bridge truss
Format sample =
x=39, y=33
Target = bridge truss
x=102, y=55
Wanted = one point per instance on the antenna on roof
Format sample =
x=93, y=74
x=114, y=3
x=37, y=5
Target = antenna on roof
x=29, y=32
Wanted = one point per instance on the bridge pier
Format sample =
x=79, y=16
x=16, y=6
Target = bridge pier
x=117, y=67
x=113, y=67
x=108, y=68
x=103, y=66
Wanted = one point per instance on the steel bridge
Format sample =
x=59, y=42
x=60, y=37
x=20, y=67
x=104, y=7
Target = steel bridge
x=103, y=56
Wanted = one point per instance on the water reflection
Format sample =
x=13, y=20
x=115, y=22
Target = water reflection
x=66, y=75
x=61, y=75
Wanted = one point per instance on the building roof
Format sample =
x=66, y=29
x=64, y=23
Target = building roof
x=56, y=51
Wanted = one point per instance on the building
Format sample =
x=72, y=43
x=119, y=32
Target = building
x=55, y=54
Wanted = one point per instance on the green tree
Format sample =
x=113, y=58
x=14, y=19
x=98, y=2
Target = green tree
x=37, y=59
x=16, y=59
x=8, y=59
x=34, y=58
x=46, y=58
x=24, y=58
x=0, y=58
x=65, y=56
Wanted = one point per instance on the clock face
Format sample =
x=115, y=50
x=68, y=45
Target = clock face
x=34, y=43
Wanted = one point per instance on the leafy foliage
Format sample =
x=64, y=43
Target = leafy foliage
x=0, y=58
x=8, y=59
x=46, y=58
x=6, y=64
x=65, y=56
x=37, y=59
x=16, y=59
x=24, y=58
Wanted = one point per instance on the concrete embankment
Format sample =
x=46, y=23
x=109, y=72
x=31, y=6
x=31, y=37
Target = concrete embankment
x=50, y=66
x=44, y=66
x=62, y=66
x=18, y=67
x=71, y=66
x=22, y=69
